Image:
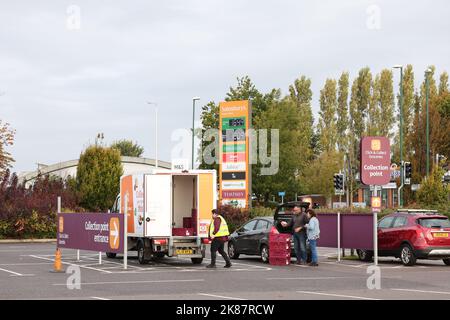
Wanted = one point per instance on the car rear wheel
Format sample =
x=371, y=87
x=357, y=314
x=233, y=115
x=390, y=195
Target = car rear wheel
x=446, y=261
x=264, y=253
x=111, y=255
x=407, y=256
x=232, y=251
x=364, y=255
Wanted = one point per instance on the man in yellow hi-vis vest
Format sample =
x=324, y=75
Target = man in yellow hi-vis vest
x=218, y=233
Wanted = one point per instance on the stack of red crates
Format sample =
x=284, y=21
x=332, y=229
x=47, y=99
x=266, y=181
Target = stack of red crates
x=280, y=249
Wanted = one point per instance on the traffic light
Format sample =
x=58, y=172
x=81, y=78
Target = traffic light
x=338, y=180
x=408, y=172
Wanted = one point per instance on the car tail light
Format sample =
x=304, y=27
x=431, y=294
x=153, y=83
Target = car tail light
x=274, y=230
x=206, y=241
x=419, y=233
x=160, y=241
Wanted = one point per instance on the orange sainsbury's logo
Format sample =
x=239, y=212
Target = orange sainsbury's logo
x=375, y=144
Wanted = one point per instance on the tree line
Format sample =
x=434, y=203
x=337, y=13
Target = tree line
x=312, y=150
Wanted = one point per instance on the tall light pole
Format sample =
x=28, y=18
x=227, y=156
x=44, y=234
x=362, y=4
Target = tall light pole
x=156, y=132
x=427, y=84
x=400, y=196
x=193, y=132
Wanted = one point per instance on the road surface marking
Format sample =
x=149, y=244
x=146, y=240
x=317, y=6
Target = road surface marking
x=14, y=273
x=25, y=264
x=237, y=263
x=132, y=282
x=421, y=291
x=315, y=278
x=337, y=295
x=100, y=298
x=222, y=297
x=71, y=264
x=348, y=265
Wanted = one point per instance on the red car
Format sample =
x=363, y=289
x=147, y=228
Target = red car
x=411, y=235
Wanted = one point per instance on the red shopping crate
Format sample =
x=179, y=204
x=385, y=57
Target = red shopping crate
x=282, y=237
x=280, y=245
x=279, y=255
x=279, y=261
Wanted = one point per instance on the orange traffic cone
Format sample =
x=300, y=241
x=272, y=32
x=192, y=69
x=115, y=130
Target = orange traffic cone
x=57, y=266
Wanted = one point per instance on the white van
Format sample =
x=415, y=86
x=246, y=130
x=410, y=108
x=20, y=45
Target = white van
x=168, y=212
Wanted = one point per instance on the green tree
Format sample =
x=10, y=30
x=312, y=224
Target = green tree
x=98, y=177
x=6, y=139
x=408, y=110
x=432, y=191
x=210, y=120
x=383, y=93
x=359, y=105
x=327, y=126
x=128, y=148
x=318, y=176
x=443, y=83
x=342, y=113
x=301, y=93
x=359, y=102
x=284, y=116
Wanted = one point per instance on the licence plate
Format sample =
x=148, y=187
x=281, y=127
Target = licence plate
x=181, y=252
x=440, y=234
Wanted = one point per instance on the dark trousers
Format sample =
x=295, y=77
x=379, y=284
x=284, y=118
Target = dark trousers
x=300, y=246
x=218, y=245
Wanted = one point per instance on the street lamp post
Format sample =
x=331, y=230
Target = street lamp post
x=156, y=132
x=400, y=196
x=427, y=84
x=193, y=128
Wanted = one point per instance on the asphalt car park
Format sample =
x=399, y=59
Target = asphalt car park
x=25, y=274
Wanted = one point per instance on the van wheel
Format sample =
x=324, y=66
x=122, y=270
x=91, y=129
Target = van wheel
x=160, y=255
x=364, y=255
x=197, y=260
x=407, y=256
x=232, y=251
x=446, y=261
x=111, y=255
x=141, y=252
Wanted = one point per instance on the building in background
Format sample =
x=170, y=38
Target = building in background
x=67, y=169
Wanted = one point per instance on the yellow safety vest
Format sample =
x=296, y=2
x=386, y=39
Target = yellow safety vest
x=223, y=230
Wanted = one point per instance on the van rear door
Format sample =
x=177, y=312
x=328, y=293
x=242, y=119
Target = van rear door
x=158, y=205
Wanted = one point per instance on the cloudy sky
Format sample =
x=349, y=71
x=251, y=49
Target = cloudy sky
x=71, y=69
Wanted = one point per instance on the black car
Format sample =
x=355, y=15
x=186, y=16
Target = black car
x=252, y=238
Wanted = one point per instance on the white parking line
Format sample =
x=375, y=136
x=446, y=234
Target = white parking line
x=100, y=298
x=315, y=278
x=71, y=264
x=337, y=295
x=133, y=282
x=9, y=271
x=25, y=264
x=222, y=297
x=422, y=291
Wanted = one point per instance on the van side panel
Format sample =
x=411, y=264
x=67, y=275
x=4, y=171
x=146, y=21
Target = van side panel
x=158, y=206
x=126, y=189
x=206, y=202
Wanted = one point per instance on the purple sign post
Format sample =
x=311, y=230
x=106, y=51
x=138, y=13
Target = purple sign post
x=375, y=170
x=101, y=232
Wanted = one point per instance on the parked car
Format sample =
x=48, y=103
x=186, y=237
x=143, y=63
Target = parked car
x=252, y=238
x=411, y=235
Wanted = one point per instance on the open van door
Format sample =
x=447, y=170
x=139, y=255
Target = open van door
x=158, y=206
